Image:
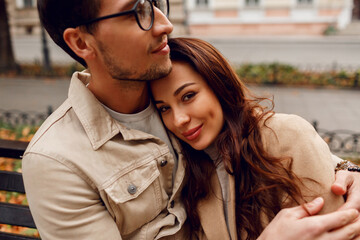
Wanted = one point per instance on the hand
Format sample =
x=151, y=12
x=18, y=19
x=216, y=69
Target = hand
x=296, y=223
x=348, y=183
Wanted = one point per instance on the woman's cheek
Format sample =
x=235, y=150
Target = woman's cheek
x=168, y=123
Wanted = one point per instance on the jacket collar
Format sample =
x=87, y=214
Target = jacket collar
x=99, y=126
x=211, y=213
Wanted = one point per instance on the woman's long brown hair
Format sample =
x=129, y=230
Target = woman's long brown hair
x=261, y=181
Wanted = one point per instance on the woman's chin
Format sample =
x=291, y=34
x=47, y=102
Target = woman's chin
x=199, y=147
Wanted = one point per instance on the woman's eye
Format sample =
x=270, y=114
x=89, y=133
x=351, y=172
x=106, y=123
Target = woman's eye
x=163, y=109
x=188, y=96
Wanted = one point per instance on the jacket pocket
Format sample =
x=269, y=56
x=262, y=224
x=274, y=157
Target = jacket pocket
x=136, y=197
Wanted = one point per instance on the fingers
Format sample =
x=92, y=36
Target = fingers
x=343, y=180
x=314, y=206
x=338, y=189
x=348, y=183
x=352, y=202
x=357, y=237
x=339, y=220
x=350, y=231
x=304, y=210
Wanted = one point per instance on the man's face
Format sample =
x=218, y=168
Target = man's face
x=127, y=52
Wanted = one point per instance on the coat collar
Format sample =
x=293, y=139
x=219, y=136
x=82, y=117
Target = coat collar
x=211, y=212
x=99, y=126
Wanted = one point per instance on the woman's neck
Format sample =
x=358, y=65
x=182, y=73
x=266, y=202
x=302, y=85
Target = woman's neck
x=212, y=152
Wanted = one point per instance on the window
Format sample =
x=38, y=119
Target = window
x=304, y=2
x=25, y=4
x=252, y=3
x=202, y=3
x=29, y=30
x=28, y=3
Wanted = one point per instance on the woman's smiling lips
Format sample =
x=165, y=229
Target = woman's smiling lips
x=192, y=133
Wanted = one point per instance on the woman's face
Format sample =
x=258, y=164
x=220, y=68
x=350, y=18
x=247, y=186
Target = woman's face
x=188, y=106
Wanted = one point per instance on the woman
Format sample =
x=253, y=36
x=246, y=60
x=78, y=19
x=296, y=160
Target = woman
x=244, y=162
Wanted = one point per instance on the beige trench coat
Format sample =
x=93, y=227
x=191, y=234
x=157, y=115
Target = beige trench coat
x=290, y=136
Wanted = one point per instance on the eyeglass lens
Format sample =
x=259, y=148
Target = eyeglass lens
x=162, y=5
x=145, y=14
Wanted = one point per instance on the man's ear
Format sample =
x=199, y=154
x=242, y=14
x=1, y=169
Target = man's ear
x=79, y=42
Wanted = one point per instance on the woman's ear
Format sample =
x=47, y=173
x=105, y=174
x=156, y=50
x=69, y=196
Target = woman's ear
x=79, y=42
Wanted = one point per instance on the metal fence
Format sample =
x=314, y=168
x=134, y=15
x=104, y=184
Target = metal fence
x=341, y=142
x=14, y=118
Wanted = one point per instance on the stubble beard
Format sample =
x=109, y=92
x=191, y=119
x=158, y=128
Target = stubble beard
x=155, y=71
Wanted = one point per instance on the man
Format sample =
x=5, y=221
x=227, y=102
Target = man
x=102, y=166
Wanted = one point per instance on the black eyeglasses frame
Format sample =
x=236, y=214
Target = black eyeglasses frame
x=131, y=11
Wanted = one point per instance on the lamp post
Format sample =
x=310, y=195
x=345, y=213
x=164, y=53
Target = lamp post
x=45, y=50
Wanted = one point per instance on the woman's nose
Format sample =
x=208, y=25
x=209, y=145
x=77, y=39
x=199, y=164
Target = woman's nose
x=181, y=119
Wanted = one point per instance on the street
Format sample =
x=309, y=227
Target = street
x=305, y=52
x=334, y=109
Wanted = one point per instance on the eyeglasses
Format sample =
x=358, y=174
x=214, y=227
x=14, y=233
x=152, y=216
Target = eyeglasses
x=143, y=10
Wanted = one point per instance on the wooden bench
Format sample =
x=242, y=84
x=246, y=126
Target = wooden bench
x=13, y=214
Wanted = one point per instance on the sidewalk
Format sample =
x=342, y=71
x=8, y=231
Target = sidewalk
x=296, y=50
x=333, y=109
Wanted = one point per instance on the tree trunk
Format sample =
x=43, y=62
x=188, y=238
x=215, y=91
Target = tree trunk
x=7, y=60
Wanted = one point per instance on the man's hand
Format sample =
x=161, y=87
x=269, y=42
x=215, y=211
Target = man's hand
x=295, y=223
x=348, y=183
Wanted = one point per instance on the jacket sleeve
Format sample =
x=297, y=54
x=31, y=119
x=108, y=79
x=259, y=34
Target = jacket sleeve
x=63, y=205
x=292, y=136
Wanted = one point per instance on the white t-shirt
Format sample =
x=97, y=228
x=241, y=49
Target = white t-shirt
x=147, y=121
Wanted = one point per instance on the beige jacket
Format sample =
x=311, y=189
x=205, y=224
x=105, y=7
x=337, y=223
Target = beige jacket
x=89, y=177
x=290, y=136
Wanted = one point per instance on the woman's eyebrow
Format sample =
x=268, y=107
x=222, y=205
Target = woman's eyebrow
x=160, y=101
x=181, y=88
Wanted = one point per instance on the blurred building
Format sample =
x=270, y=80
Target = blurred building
x=230, y=17
x=23, y=17
x=24, y=20
x=269, y=17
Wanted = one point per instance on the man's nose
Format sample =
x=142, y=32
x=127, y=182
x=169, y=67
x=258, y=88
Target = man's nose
x=162, y=24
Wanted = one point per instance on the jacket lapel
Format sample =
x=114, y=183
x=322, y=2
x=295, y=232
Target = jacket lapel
x=211, y=213
x=231, y=209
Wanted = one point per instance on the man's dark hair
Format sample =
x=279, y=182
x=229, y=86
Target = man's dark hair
x=58, y=15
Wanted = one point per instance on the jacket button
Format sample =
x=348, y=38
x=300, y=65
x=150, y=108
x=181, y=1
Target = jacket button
x=163, y=163
x=132, y=189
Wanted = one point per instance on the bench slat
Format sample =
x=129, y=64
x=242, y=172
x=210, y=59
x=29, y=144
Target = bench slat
x=12, y=149
x=15, y=214
x=11, y=181
x=10, y=236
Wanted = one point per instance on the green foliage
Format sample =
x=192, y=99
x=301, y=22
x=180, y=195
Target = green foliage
x=36, y=70
x=330, y=30
x=285, y=74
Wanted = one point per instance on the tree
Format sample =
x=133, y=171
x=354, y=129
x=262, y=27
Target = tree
x=7, y=60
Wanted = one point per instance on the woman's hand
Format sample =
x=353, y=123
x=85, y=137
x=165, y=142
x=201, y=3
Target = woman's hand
x=348, y=183
x=298, y=224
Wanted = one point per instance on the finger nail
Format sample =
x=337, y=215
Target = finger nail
x=318, y=200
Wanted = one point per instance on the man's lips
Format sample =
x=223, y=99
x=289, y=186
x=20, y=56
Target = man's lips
x=192, y=133
x=163, y=49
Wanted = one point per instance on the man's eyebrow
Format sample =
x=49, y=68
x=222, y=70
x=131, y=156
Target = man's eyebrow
x=129, y=5
x=181, y=88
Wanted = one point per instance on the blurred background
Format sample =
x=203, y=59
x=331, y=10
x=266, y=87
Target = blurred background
x=304, y=54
